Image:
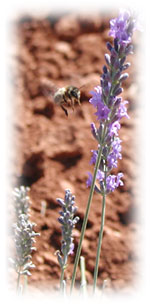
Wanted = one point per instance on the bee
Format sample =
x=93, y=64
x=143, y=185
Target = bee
x=65, y=96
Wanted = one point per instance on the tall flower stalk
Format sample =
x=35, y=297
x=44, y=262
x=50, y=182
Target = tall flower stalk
x=109, y=110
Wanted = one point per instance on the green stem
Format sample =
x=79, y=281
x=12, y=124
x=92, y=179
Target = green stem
x=99, y=242
x=61, y=279
x=25, y=284
x=86, y=214
x=83, y=276
x=64, y=288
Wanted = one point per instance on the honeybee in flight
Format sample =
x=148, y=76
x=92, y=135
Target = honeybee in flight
x=65, y=96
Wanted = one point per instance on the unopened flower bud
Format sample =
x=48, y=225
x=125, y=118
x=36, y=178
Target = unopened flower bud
x=76, y=219
x=61, y=220
x=105, y=69
x=117, y=91
x=112, y=59
x=117, y=75
x=94, y=131
x=124, y=76
x=109, y=46
x=107, y=59
x=117, y=64
x=122, y=60
x=114, y=53
x=60, y=201
x=116, y=45
x=117, y=102
x=126, y=66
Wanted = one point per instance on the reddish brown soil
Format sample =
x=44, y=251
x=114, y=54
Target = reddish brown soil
x=51, y=152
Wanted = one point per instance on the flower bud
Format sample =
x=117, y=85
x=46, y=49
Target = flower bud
x=61, y=220
x=114, y=53
x=107, y=59
x=123, y=77
x=125, y=66
x=94, y=131
x=106, y=91
x=117, y=75
x=122, y=60
x=116, y=46
x=60, y=201
x=117, y=91
x=76, y=219
x=105, y=69
x=117, y=102
x=112, y=59
x=109, y=46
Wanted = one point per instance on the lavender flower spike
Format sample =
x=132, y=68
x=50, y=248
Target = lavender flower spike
x=110, y=107
x=24, y=235
x=68, y=222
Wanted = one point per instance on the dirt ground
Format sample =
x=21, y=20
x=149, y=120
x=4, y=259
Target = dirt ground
x=51, y=152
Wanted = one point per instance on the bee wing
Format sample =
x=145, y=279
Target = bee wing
x=89, y=82
x=48, y=87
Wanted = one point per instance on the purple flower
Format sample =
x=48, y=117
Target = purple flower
x=94, y=157
x=97, y=102
x=102, y=111
x=116, y=146
x=119, y=182
x=113, y=128
x=89, y=180
x=97, y=96
x=113, y=181
x=110, y=183
x=122, y=27
x=114, y=154
x=100, y=175
x=122, y=111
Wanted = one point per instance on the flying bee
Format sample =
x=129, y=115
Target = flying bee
x=65, y=96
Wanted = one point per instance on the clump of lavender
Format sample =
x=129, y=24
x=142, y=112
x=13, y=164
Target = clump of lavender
x=110, y=108
x=24, y=235
x=68, y=221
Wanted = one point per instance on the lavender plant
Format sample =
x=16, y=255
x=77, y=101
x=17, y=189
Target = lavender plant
x=24, y=235
x=109, y=110
x=68, y=222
